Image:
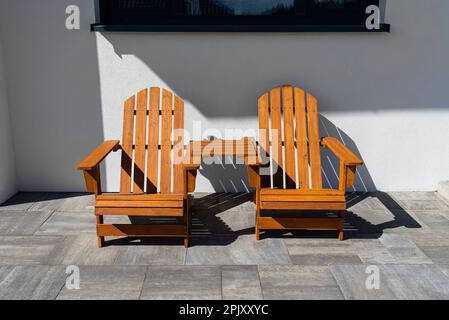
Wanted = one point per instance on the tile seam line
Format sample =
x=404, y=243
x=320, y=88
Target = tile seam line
x=221, y=281
x=260, y=282
x=52, y=212
x=143, y=282
x=338, y=284
x=62, y=287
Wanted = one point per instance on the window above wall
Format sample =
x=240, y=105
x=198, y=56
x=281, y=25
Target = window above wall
x=234, y=15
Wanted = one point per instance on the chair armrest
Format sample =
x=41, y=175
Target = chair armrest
x=94, y=159
x=340, y=150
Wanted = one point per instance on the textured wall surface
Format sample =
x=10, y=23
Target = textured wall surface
x=384, y=95
x=7, y=167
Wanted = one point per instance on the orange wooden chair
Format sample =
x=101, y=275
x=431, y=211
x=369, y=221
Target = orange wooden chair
x=140, y=194
x=291, y=116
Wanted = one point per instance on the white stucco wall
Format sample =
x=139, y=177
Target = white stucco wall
x=54, y=95
x=7, y=167
x=386, y=93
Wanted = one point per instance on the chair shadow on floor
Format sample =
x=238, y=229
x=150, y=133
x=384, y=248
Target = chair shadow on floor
x=356, y=226
x=211, y=214
x=206, y=227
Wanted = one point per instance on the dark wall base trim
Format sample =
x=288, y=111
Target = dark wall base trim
x=237, y=28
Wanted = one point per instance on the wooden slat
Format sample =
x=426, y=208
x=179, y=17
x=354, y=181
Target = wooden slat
x=303, y=198
x=127, y=146
x=264, y=135
x=276, y=132
x=276, y=205
x=301, y=139
x=314, y=142
x=167, y=104
x=220, y=148
x=130, y=230
x=289, y=137
x=266, y=191
x=178, y=150
x=141, y=197
x=140, y=141
x=299, y=223
x=160, y=112
x=138, y=204
x=145, y=212
x=153, y=140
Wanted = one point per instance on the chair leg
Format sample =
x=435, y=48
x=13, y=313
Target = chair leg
x=341, y=235
x=256, y=193
x=187, y=223
x=100, y=242
x=257, y=232
x=100, y=221
x=257, y=225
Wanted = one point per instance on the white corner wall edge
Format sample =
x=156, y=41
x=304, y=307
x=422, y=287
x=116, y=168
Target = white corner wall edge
x=8, y=186
x=443, y=190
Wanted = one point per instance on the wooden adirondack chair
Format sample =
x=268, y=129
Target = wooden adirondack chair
x=140, y=194
x=292, y=117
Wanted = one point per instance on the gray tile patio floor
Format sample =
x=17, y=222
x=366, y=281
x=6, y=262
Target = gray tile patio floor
x=406, y=235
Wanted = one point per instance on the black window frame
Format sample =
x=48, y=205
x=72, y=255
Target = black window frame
x=306, y=15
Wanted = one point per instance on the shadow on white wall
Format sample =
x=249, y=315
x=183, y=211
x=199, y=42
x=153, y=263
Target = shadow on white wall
x=220, y=86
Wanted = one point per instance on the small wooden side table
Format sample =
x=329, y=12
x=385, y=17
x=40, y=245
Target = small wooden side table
x=245, y=148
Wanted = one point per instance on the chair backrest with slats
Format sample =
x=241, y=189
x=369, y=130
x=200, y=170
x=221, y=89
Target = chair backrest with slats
x=289, y=135
x=153, y=137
